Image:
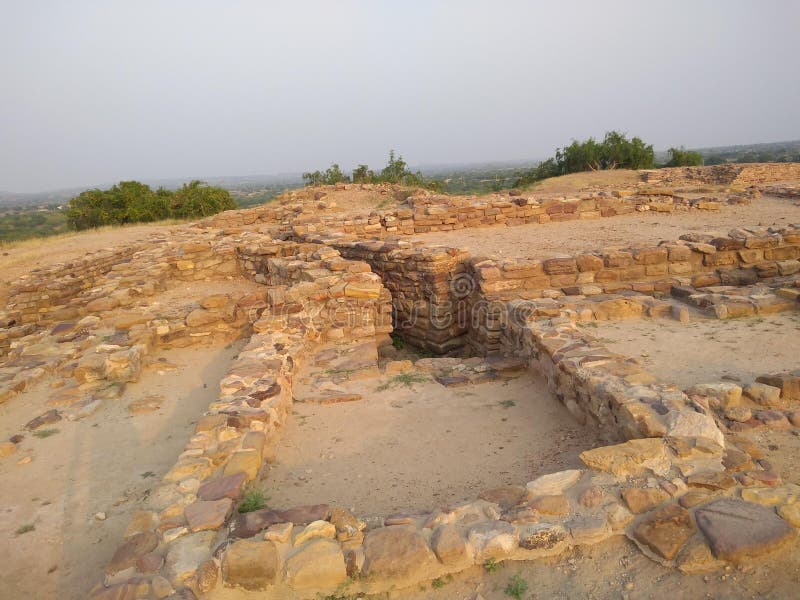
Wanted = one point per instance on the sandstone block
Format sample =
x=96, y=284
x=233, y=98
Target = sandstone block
x=251, y=564
x=318, y=564
x=396, y=552
x=737, y=530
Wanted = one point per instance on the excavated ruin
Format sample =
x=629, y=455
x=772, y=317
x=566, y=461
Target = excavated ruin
x=312, y=296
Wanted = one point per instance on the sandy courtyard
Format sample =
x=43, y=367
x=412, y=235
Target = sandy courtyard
x=574, y=237
x=104, y=463
x=705, y=350
x=414, y=449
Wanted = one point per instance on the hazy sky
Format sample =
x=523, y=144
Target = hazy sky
x=99, y=91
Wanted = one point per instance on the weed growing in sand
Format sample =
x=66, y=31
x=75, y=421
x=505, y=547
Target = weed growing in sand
x=491, y=565
x=253, y=499
x=45, y=433
x=25, y=529
x=516, y=587
x=403, y=379
x=507, y=403
x=440, y=582
x=147, y=474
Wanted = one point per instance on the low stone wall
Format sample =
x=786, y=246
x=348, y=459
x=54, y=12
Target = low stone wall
x=177, y=542
x=727, y=174
x=109, y=279
x=448, y=213
x=742, y=257
x=608, y=391
x=670, y=494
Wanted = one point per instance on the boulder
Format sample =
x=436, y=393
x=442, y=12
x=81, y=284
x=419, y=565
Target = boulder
x=319, y=564
x=493, y=539
x=553, y=484
x=665, y=531
x=737, y=530
x=634, y=457
x=396, y=552
x=448, y=545
x=251, y=564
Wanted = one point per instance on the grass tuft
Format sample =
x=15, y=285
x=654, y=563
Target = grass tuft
x=516, y=587
x=403, y=380
x=25, y=529
x=45, y=433
x=253, y=499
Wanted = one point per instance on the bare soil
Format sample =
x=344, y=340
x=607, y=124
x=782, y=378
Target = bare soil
x=105, y=463
x=574, y=182
x=417, y=448
x=18, y=258
x=572, y=237
x=705, y=350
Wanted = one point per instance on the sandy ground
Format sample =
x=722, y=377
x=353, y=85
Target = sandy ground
x=409, y=449
x=616, y=178
x=20, y=257
x=704, y=350
x=571, y=237
x=104, y=463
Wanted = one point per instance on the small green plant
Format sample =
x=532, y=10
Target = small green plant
x=403, y=379
x=253, y=499
x=45, y=433
x=25, y=528
x=397, y=342
x=516, y=587
x=507, y=403
x=147, y=474
x=491, y=565
x=440, y=582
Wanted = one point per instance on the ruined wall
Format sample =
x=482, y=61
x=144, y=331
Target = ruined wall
x=426, y=285
x=743, y=257
x=728, y=174
x=340, y=297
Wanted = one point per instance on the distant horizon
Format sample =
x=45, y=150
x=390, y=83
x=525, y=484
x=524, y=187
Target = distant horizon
x=347, y=169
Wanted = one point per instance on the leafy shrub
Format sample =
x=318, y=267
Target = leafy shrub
x=135, y=202
x=680, y=157
x=517, y=587
x=615, y=151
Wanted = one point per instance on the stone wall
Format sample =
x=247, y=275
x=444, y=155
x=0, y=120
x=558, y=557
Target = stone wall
x=340, y=297
x=727, y=174
x=675, y=471
x=178, y=540
x=448, y=213
x=744, y=256
x=427, y=286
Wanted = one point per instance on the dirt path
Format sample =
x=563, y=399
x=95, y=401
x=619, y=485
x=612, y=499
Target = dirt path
x=571, y=237
x=418, y=448
x=103, y=463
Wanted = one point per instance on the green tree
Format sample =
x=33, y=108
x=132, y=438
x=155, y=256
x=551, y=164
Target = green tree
x=680, y=157
x=135, y=202
x=363, y=174
x=197, y=199
x=615, y=151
